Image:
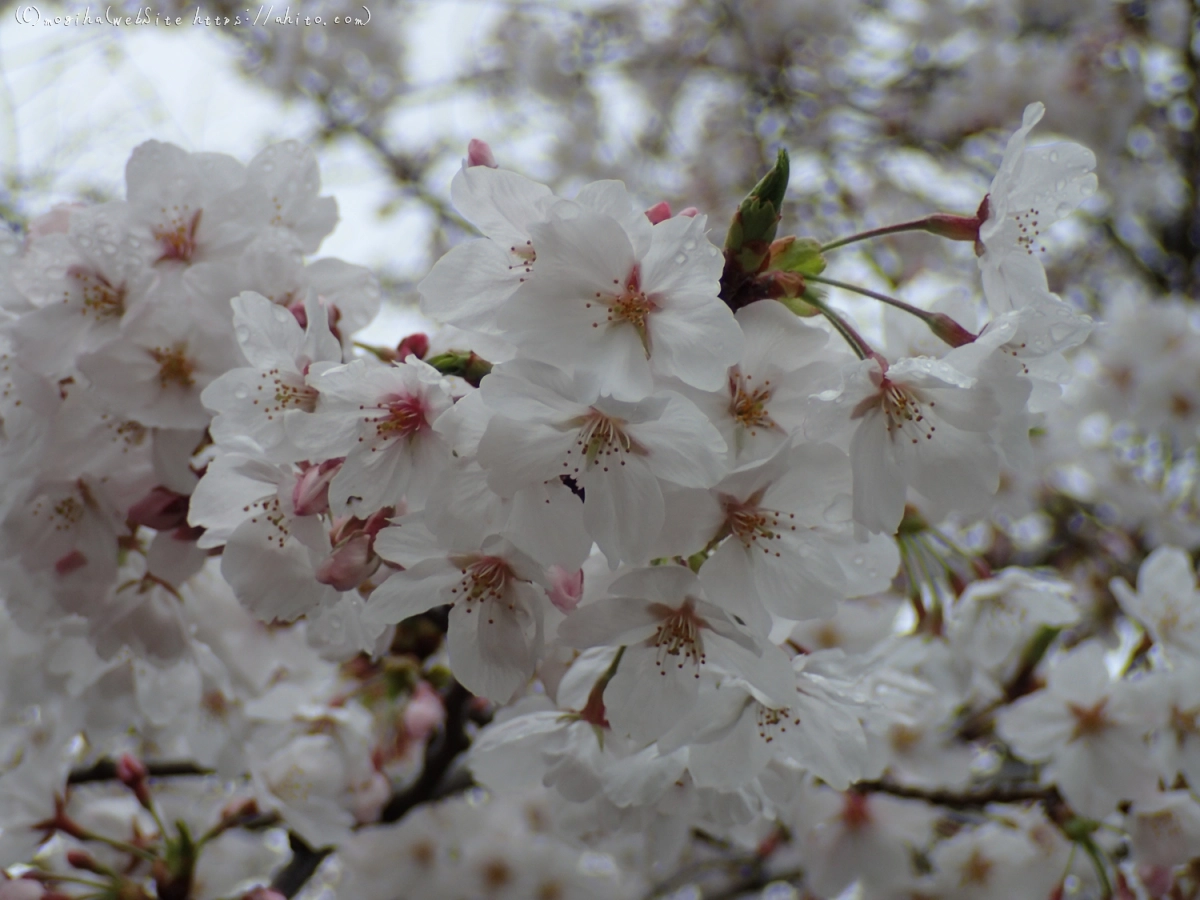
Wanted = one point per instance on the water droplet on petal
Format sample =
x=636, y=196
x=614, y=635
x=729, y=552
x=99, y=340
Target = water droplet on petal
x=242, y=333
x=1053, y=156
x=681, y=258
x=689, y=245
x=1064, y=209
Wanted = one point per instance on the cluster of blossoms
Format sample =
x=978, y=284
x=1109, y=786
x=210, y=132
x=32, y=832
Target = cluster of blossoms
x=668, y=507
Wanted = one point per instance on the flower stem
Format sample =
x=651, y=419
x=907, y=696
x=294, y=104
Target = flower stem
x=916, y=225
x=940, y=324
x=860, y=347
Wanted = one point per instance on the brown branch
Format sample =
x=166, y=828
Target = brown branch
x=440, y=753
x=304, y=862
x=106, y=770
x=956, y=800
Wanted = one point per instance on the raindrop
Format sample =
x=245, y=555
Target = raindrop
x=1064, y=209
x=681, y=258
x=1053, y=156
x=241, y=393
x=689, y=245
x=242, y=333
x=1061, y=184
x=281, y=314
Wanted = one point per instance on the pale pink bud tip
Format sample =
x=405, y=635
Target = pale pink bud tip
x=57, y=221
x=131, y=770
x=162, y=509
x=310, y=495
x=690, y=212
x=350, y=564
x=566, y=588
x=480, y=154
x=415, y=344
x=425, y=712
x=659, y=212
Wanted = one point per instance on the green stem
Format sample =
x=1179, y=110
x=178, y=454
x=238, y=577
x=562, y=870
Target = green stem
x=874, y=295
x=916, y=225
x=124, y=847
x=860, y=347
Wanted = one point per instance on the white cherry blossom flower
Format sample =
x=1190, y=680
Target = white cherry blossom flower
x=548, y=424
x=495, y=631
x=920, y=423
x=1166, y=603
x=673, y=635
x=1033, y=188
x=380, y=418
x=1089, y=730
x=255, y=403
x=598, y=303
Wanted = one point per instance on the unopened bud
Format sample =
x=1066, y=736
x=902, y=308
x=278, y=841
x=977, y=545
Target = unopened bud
x=132, y=773
x=425, y=712
x=416, y=344
x=688, y=212
x=162, y=509
x=949, y=331
x=659, y=212
x=81, y=859
x=310, y=494
x=748, y=241
x=350, y=565
x=566, y=588
x=480, y=154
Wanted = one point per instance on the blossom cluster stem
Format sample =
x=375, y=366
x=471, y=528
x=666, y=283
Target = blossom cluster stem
x=856, y=341
x=939, y=323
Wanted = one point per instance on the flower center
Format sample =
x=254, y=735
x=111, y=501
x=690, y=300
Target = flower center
x=1089, y=720
x=483, y=578
x=678, y=637
x=289, y=393
x=630, y=305
x=749, y=404
x=100, y=298
x=174, y=366
x=1028, y=231
x=904, y=413
x=178, y=237
x=403, y=417
x=600, y=437
x=749, y=522
x=772, y=720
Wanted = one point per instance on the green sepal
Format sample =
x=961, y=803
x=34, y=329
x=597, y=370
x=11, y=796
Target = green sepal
x=753, y=228
x=801, y=255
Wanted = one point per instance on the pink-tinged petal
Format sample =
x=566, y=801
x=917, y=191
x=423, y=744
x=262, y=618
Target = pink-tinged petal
x=270, y=580
x=501, y=204
x=684, y=447
x=411, y=592
x=645, y=699
x=468, y=285
x=622, y=509
x=492, y=648
x=879, y=483
x=609, y=622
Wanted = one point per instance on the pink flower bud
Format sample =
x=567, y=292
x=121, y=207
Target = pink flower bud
x=480, y=154
x=369, y=798
x=1157, y=880
x=690, y=211
x=162, y=509
x=659, y=212
x=132, y=773
x=425, y=712
x=263, y=893
x=350, y=564
x=310, y=494
x=57, y=221
x=566, y=588
x=949, y=331
x=81, y=859
x=415, y=344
